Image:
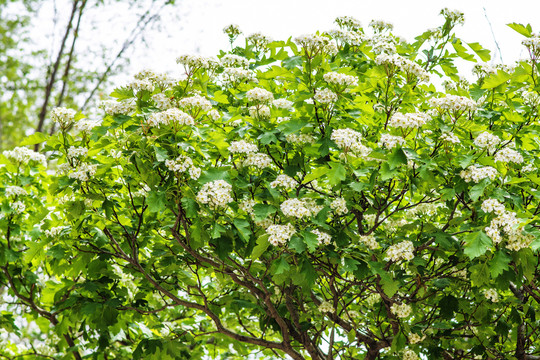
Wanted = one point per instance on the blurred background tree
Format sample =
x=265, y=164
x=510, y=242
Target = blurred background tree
x=63, y=53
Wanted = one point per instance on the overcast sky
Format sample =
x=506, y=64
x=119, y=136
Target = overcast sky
x=200, y=29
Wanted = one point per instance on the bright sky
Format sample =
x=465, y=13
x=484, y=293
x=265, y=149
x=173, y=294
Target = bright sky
x=200, y=29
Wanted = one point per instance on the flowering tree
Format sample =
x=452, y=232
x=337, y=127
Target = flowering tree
x=309, y=199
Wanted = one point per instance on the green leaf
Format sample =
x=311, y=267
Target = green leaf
x=522, y=29
x=297, y=244
x=495, y=80
x=478, y=190
x=263, y=211
x=483, y=54
x=260, y=248
x=317, y=173
x=311, y=241
x=292, y=62
x=243, y=228
x=336, y=174
x=462, y=51
x=161, y=154
x=282, y=266
x=156, y=201
x=479, y=274
x=476, y=244
x=35, y=138
x=499, y=263
x=220, y=97
x=396, y=158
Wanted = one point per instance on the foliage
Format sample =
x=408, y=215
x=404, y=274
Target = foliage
x=309, y=199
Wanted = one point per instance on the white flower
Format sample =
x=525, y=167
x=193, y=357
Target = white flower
x=492, y=205
x=400, y=251
x=340, y=79
x=369, y=241
x=259, y=111
x=18, y=207
x=84, y=172
x=349, y=140
x=54, y=231
x=112, y=107
x=75, y=152
x=491, y=294
x=476, y=173
x=259, y=95
x=258, y=160
x=325, y=96
x=339, y=205
x=296, y=208
x=141, y=85
x=258, y=40
x=237, y=75
x=63, y=116
x=247, y=206
x=322, y=237
x=282, y=104
x=23, y=155
x=232, y=30
x=453, y=103
x=232, y=60
x=242, y=147
x=410, y=355
x=214, y=115
x=509, y=155
x=182, y=164
x=409, y=120
x=163, y=101
x=280, y=234
x=300, y=139
x=194, y=62
x=380, y=26
x=401, y=311
x=170, y=116
x=284, y=181
x=348, y=22
x=487, y=141
x=326, y=307
x=449, y=137
x=389, y=141
x=217, y=194
x=415, y=338
x=196, y=102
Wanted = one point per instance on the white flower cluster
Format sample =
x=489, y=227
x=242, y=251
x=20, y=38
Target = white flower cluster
x=258, y=160
x=23, y=155
x=492, y=205
x=63, y=116
x=196, y=102
x=348, y=22
x=533, y=44
x=283, y=104
x=326, y=307
x=340, y=79
x=369, y=241
x=280, y=234
x=232, y=30
x=380, y=25
x=382, y=44
x=258, y=40
x=508, y=155
x=528, y=168
x=18, y=207
x=296, y=208
x=83, y=172
x=476, y=173
x=325, y=96
x=162, y=80
x=237, y=75
x=54, y=232
x=390, y=141
x=259, y=111
x=216, y=194
x=86, y=125
x=259, y=95
x=400, y=251
x=449, y=137
x=247, y=206
x=401, y=311
x=531, y=99
x=487, y=141
x=242, y=147
x=453, y=103
x=112, y=107
x=194, y=62
x=300, y=139
x=214, y=115
x=348, y=37
x=415, y=338
x=349, y=140
x=14, y=191
x=491, y=294
x=232, y=61
x=183, y=163
x=312, y=43
x=284, y=181
x=163, y=101
x=75, y=152
x=408, y=66
x=322, y=237
x=339, y=205
x=518, y=240
x=409, y=120
x=410, y=355
x=455, y=16
x=170, y=116
x=141, y=85
x=427, y=208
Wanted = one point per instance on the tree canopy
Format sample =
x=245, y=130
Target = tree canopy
x=340, y=195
